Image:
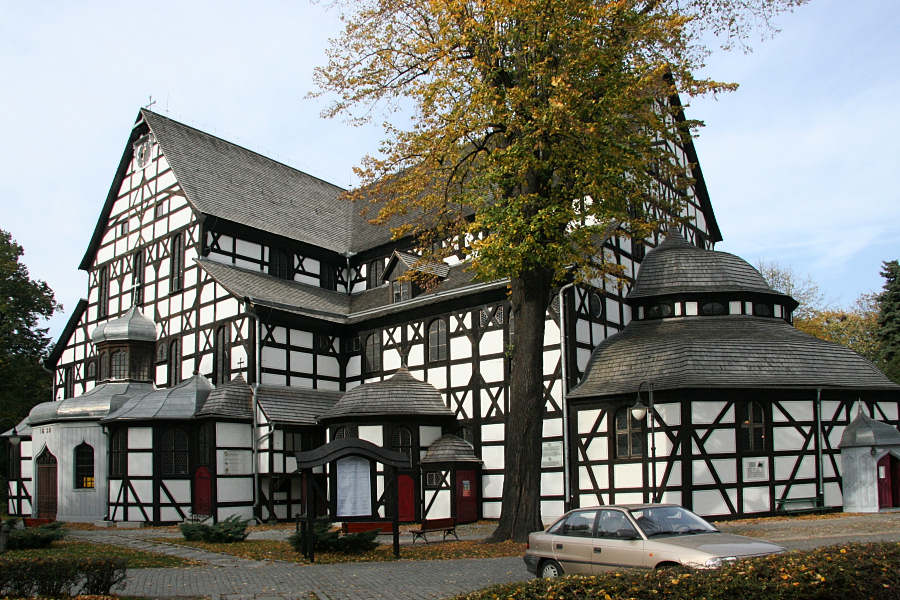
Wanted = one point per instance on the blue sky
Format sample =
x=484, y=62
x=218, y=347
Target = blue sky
x=799, y=161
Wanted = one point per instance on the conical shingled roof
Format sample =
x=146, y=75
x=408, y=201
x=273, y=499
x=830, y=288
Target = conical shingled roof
x=175, y=403
x=400, y=395
x=130, y=327
x=232, y=400
x=864, y=431
x=677, y=267
x=450, y=448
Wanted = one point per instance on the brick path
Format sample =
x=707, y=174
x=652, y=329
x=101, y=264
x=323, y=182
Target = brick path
x=226, y=577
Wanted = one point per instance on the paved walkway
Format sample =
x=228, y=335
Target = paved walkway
x=225, y=577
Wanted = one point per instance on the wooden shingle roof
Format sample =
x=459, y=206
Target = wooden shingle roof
x=285, y=405
x=450, y=448
x=677, y=267
x=723, y=352
x=232, y=400
x=399, y=395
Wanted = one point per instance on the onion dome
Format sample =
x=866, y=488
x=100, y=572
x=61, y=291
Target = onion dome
x=866, y=432
x=450, y=448
x=175, y=403
x=401, y=395
x=92, y=405
x=232, y=400
x=678, y=267
x=130, y=327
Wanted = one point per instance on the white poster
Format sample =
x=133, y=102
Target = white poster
x=354, y=487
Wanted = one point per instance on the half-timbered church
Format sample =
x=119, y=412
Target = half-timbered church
x=239, y=311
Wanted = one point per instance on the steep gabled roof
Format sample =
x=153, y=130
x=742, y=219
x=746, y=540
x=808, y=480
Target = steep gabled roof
x=230, y=182
x=60, y=345
x=417, y=263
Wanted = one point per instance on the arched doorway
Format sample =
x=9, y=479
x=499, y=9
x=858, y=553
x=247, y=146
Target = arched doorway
x=888, y=481
x=46, y=481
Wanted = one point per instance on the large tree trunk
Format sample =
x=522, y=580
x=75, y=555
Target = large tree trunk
x=521, y=508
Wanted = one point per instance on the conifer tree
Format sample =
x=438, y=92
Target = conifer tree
x=889, y=320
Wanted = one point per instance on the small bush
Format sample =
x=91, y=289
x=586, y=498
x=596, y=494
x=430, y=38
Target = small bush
x=853, y=572
x=56, y=577
x=328, y=540
x=232, y=529
x=34, y=537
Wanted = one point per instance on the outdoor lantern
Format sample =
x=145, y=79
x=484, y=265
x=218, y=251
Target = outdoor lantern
x=639, y=410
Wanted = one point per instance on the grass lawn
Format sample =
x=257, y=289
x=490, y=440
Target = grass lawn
x=136, y=559
x=280, y=550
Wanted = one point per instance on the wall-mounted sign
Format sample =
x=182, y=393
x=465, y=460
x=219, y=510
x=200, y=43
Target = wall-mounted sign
x=551, y=454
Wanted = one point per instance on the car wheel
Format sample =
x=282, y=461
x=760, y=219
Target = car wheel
x=551, y=569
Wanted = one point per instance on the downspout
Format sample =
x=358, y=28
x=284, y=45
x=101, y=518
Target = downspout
x=820, y=486
x=257, y=351
x=563, y=390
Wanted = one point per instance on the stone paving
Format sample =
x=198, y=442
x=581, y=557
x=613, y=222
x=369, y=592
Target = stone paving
x=225, y=577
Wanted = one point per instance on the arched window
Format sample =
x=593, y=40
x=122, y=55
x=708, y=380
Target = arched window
x=176, y=263
x=713, y=309
x=173, y=452
x=173, y=368
x=84, y=466
x=222, y=355
x=104, y=366
x=401, y=440
x=629, y=435
x=373, y=353
x=119, y=369
x=752, y=433
x=91, y=369
x=118, y=453
x=437, y=340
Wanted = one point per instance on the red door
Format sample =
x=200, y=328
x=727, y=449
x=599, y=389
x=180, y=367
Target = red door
x=46, y=492
x=466, y=497
x=895, y=480
x=885, y=489
x=407, y=500
x=202, y=491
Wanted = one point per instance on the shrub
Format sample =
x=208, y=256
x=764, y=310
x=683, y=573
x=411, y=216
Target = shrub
x=34, y=537
x=853, y=572
x=232, y=529
x=55, y=577
x=328, y=540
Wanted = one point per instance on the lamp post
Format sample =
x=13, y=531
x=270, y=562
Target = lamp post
x=638, y=412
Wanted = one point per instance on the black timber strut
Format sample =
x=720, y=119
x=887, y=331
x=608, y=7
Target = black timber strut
x=332, y=452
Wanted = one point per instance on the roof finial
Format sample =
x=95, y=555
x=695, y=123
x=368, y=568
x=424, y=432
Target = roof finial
x=150, y=102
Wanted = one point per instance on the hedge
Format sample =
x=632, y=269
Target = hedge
x=33, y=537
x=229, y=530
x=56, y=577
x=853, y=572
x=329, y=540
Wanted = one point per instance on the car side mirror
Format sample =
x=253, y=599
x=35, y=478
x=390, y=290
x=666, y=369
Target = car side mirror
x=627, y=533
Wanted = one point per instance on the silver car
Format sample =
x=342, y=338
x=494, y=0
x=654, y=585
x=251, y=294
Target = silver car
x=592, y=540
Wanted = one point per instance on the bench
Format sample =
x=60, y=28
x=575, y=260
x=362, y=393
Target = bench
x=446, y=526
x=817, y=504
x=361, y=526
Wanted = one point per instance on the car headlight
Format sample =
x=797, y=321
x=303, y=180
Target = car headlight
x=718, y=561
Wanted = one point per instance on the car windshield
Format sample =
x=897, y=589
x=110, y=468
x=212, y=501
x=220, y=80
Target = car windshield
x=670, y=520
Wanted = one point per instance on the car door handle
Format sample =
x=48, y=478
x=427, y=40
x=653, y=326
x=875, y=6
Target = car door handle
x=598, y=550
x=559, y=546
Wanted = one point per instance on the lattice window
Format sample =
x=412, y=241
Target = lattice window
x=374, y=271
x=119, y=365
x=118, y=453
x=69, y=382
x=222, y=355
x=342, y=433
x=328, y=277
x=84, y=466
x=629, y=435
x=15, y=465
x=433, y=480
x=104, y=366
x=173, y=368
x=281, y=263
x=293, y=441
x=373, y=353
x=173, y=452
x=204, y=445
x=176, y=263
x=437, y=341
x=400, y=291
x=753, y=427
x=401, y=440
x=137, y=268
x=91, y=369
x=103, y=292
